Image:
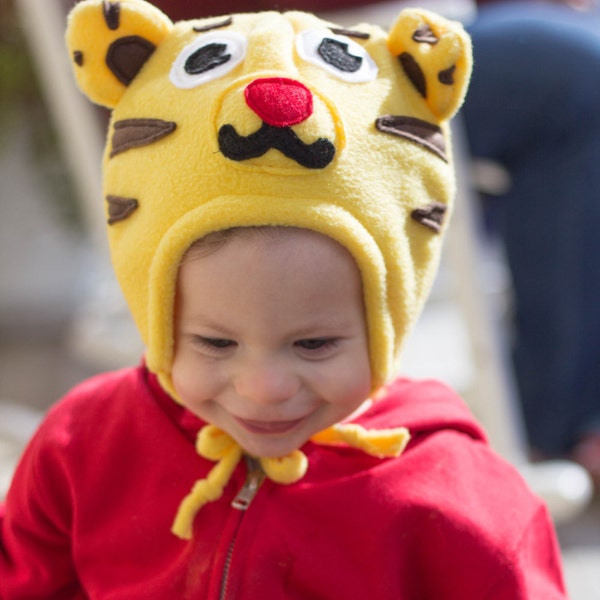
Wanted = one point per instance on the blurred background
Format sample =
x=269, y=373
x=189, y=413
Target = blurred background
x=43, y=247
x=62, y=317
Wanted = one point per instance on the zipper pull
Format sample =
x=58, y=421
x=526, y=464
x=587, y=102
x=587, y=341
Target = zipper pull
x=254, y=479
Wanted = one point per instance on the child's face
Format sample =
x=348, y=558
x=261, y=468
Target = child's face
x=271, y=339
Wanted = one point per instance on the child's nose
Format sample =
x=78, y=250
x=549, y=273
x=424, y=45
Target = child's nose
x=279, y=101
x=266, y=383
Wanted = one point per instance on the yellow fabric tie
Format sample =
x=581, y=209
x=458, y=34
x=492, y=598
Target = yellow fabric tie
x=381, y=443
x=216, y=445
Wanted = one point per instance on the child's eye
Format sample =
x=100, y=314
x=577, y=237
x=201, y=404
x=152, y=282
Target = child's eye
x=214, y=344
x=316, y=344
x=337, y=54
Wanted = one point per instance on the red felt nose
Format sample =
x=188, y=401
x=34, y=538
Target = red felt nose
x=279, y=101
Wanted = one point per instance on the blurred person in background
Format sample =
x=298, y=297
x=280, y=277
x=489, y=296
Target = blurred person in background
x=533, y=109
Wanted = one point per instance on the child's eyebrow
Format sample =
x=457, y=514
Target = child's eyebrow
x=351, y=33
x=225, y=23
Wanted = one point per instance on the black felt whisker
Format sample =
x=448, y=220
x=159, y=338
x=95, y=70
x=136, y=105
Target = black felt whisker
x=236, y=147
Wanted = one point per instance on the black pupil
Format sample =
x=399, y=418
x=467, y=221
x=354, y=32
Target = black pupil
x=336, y=54
x=206, y=58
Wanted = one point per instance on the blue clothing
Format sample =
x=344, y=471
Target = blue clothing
x=534, y=107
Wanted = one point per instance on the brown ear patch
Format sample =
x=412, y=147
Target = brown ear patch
x=421, y=132
x=446, y=77
x=112, y=14
x=431, y=216
x=133, y=133
x=425, y=35
x=414, y=73
x=127, y=55
x=120, y=208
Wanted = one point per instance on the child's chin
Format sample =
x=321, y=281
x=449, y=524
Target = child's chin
x=268, y=446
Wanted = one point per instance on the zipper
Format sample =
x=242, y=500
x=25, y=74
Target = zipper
x=254, y=478
x=227, y=565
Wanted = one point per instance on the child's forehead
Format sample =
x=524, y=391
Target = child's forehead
x=281, y=276
x=264, y=237
x=285, y=236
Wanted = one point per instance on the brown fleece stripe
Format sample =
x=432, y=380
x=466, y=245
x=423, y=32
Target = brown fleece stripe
x=133, y=133
x=423, y=133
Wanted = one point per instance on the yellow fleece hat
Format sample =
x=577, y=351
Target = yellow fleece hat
x=273, y=119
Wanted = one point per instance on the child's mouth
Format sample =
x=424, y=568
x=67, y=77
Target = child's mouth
x=268, y=427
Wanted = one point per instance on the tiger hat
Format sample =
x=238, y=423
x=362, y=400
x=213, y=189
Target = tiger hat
x=276, y=119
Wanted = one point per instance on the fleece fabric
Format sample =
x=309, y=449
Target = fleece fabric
x=89, y=511
x=274, y=119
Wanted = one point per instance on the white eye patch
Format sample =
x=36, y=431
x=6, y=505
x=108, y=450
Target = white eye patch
x=209, y=57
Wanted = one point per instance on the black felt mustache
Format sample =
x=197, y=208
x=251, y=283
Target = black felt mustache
x=237, y=147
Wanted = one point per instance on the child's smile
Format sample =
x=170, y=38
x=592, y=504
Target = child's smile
x=268, y=427
x=270, y=338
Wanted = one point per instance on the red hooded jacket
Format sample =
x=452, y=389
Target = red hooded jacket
x=92, y=502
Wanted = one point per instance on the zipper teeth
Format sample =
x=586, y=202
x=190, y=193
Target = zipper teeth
x=227, y=566
x=254, y=478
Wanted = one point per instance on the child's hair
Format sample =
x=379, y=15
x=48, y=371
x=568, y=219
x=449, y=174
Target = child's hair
x=215, y=240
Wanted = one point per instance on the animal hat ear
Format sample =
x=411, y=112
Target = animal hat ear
x=109, y=42
x=435, y=55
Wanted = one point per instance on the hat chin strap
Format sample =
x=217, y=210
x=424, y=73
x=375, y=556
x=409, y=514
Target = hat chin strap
x=216, y=445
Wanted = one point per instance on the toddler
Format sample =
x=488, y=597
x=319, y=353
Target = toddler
x=276, y=191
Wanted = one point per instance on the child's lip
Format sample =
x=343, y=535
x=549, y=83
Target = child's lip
x=268, y=427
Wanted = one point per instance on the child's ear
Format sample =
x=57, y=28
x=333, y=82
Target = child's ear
x=435, y=55
x=109, y=42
